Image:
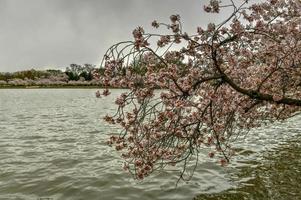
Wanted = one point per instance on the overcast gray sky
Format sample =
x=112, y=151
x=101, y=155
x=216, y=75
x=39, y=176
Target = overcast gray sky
x=44, y=34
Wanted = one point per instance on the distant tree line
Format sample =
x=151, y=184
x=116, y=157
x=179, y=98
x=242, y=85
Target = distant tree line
x=75, y=74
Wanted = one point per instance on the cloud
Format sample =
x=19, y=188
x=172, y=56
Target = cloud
x=55, y=33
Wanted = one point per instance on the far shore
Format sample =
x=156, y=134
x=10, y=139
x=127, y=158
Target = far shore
x=55, y=87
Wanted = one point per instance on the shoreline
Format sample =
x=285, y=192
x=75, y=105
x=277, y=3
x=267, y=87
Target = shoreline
x=54, y=87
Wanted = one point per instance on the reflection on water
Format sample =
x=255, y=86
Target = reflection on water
x=52, y=144
x=276, y=177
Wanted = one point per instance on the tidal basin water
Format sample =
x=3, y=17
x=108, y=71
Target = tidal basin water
x=53, y=146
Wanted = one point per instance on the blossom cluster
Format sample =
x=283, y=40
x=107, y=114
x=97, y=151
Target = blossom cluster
x=226, y=79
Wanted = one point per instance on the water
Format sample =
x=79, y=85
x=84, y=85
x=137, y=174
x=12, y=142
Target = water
x=52, y=145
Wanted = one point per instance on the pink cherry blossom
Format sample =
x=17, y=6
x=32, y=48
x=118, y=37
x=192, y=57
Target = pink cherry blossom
x=199, y=96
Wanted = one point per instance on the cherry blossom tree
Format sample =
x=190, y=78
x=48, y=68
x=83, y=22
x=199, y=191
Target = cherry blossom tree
x=2, y=82
x=201, y=91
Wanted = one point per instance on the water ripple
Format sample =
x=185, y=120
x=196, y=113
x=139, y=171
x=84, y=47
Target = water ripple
x=52, y=144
